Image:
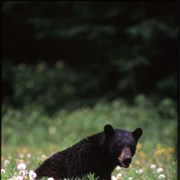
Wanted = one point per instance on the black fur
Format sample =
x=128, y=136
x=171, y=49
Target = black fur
x=98, y=154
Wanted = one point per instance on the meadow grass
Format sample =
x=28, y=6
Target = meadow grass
x=29, y=136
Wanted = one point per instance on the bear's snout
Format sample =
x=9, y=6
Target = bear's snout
x=127, y=161
x=125, y=158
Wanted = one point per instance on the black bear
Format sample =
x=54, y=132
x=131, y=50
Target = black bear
x=98, y=154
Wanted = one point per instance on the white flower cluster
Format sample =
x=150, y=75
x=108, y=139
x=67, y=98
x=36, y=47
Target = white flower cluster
x=140, y=171
x=158, y=170
x=31, y=175
x=23, y=172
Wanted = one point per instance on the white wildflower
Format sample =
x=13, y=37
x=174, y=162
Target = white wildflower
x=113, y=178
x=21, y=166
x=21, y=156
x=159, y=170
x=130, y=178
x=3, y=171
x=50, y=178
x=161, y=176
x=119, y=175
x=140, y=171
x=29, y=155
x=6, y=162
x=153, y=166
x=118, y=168
x=22, y=173
x=32, y=175
x=18, y=178
x=43, y=156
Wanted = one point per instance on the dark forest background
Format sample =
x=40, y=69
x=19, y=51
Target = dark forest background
x=68, y=54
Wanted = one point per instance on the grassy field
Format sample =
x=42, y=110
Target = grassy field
x=29, y=136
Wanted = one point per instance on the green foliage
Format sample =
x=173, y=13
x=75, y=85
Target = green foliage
x=31, y=125
x=29, y=134
x=90, y=177
x=10, y=170
x=58, y=86
x=50, y=88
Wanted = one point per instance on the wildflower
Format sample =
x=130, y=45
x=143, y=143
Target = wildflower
x=142, y=155
x=21, y=156
x=160, y=151
x=21, y=161
x=140, y=171
x=159, y=170
x=153, y=166
x=6, y=162
x=32, y=175
x=22, y=173
x=21, y=166
x=170, y=150
x=3, y=171
x=29, y=155
x=43, y=156
x=137, y=162
x=130, y=178
x=113, y=178
x=50, y=178
x=161, y=176
x=119, y=175
x=18, y=178
x=118, y=168
x=25, y=178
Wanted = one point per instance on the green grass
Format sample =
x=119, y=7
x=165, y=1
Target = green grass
x=30, y=135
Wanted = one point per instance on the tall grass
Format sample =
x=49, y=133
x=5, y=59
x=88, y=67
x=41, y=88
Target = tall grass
x=30, y=131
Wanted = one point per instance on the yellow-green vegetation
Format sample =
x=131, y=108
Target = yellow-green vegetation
x=161, y=164
x=30, y=136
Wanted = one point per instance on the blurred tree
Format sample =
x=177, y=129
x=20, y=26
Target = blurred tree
x=129, y=47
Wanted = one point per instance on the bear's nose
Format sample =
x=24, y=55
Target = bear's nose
x=127, y=161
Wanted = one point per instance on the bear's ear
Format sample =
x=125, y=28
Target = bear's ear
x=108, y=130
x=137, y=133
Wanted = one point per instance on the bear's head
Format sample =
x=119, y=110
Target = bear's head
x=121, y=144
